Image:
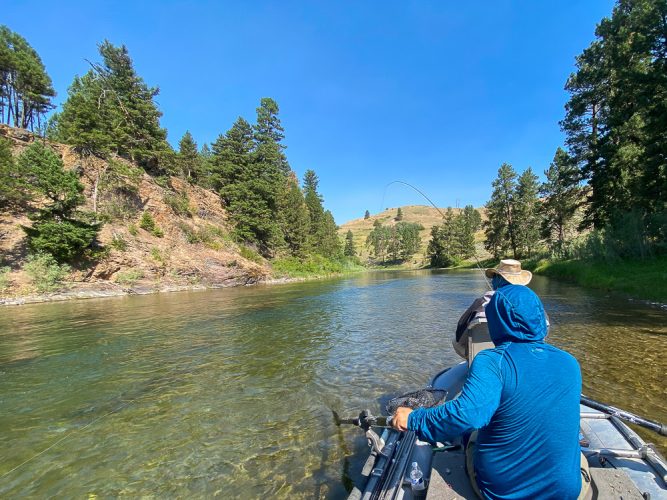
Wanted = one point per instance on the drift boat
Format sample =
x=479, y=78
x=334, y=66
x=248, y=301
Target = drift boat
x=621, y=464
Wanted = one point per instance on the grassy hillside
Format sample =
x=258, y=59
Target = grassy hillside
x=420, y=214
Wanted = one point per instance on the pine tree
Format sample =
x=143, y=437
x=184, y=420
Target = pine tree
x=367, y=215
x=500, y=227
x=294, y=219
x=329, y=245
x=25, y=87
x=349, y=250
x=526, y=210
x=237, y=177
x=112, y=110
x=315, y=209
x=562, y=195
x=399, y=215
x=13, y=187
x=442, y=248
x=188, y=158
x=58, y=227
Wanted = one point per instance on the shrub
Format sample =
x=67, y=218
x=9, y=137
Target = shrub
x=132, y=229
x=64, y=239
x=147, y=222
x=250, y=254
x=118, y=242
x=119, y=191
x=46, y=274
x=179, y=203
x=129, y=277
x=157, y=255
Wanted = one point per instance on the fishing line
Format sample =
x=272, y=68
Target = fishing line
x=384, y=193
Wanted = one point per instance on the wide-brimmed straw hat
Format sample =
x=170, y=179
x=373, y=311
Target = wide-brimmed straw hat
x=510, y=269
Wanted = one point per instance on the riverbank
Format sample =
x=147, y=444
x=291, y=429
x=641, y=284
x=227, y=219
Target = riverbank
x=641, y=279
x=98, y=290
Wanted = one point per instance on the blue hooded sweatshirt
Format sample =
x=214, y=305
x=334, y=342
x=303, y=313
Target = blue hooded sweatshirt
x=523, y=396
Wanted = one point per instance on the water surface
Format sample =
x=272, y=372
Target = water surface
x=229, y=392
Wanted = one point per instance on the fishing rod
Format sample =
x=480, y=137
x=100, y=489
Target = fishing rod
x=479, y=266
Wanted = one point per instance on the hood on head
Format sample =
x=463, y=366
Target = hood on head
x=515, y=313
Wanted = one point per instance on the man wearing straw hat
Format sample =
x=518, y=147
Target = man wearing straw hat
x=522, y=398
x=508, y=272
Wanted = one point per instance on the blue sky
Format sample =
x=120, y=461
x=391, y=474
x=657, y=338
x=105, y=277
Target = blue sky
x=434, y=93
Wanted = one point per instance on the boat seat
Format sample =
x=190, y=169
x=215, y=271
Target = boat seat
x=474, y=340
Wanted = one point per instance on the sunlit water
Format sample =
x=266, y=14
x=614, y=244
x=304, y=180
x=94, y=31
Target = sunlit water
x=230, y=392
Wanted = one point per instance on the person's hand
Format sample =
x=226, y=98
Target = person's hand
x=400, y=420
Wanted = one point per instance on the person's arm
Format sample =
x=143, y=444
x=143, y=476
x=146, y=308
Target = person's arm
x=472, y=409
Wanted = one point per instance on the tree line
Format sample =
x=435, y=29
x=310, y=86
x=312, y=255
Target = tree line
x=605, y=193
x=110, y=112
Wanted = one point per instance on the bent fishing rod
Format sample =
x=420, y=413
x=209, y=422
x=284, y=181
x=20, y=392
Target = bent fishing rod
x=479, y=266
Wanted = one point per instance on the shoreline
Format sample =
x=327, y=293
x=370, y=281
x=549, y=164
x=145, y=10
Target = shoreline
x=109, y=289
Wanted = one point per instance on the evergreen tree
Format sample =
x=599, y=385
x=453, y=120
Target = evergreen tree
x=470, y=222
x=409, y=239
x=367, y=215
x=58, y=227
x=500, y=227
x=615, y=119
x=562, y=195
x=526, y=210
x=399, y=215
x=188, y=158
x=442, y=249
x=13, y=188
x=25, y=87
x=238, y=179
x=315, y=208
x=329, y=245
x=112, y=110
x=349, y=250
x=294, y=219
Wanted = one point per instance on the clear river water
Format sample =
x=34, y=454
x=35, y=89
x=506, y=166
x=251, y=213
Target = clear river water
x=229, y=392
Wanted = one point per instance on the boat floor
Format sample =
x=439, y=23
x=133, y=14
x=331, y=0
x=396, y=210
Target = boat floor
x=449, y=481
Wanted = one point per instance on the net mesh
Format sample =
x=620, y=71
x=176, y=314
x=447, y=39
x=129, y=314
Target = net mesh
x=423, y=398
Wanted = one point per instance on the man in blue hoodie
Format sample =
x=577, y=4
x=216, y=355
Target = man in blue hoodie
x=523, y=397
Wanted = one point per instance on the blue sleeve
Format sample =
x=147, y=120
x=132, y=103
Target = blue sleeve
x=472, y=409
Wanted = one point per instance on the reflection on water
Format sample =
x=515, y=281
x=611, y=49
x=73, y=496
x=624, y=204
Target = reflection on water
x=229, y=392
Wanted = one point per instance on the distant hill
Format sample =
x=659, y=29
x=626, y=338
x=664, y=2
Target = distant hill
x=420, y=214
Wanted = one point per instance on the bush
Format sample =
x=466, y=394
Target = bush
x=250, y=254
x=64, y=239
x=46, y=274
x=132, y=229
x=179, y=204
x=314, y=265
x=129, y=277
x=148, y=223
x=118, y=242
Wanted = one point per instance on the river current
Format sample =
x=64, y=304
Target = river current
x=230, y=392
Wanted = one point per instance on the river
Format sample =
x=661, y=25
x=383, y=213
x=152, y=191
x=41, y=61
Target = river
x=229, y=392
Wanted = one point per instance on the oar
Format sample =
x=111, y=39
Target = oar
x=625, y=415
